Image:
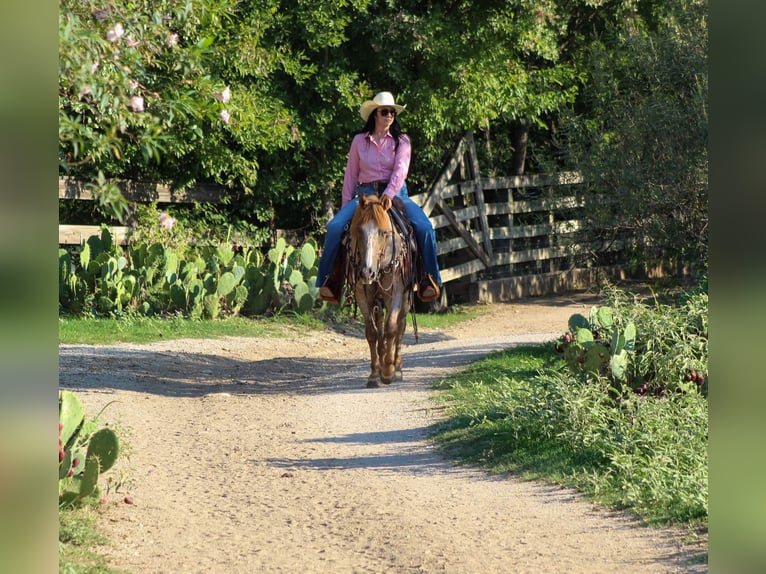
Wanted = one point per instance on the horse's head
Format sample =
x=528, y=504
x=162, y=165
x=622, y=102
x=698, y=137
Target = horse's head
x=371, y=231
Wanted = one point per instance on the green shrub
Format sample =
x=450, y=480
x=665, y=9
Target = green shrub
x=663, y=347
x=161, y=272
x=85, y=451
x=533, y=411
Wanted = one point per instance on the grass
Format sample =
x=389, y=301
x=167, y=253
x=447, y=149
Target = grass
x=106, y=331
x=512, y=413
x=476, y=430
x=454, y=315
x=77, y=538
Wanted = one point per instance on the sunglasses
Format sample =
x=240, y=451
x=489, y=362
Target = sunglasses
x=385, y=112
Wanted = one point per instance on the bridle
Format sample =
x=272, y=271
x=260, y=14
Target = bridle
x=400, y=255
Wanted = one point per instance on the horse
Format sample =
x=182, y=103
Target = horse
x=381, y=274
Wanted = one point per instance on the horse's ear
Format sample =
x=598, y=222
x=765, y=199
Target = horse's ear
x=385, y=202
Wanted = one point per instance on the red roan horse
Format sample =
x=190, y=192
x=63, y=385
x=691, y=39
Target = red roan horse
x=380, y=271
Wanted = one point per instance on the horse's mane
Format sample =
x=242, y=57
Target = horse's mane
x=371, y=211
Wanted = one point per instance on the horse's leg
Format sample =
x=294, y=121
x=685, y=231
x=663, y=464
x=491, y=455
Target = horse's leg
x=380, y=344
x=371, y=332
x=388, y=357
x=401, y=327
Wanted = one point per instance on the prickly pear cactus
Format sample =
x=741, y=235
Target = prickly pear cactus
x=84, y=452
x=226, y=284
x=596, y=344
x=150, y=278
x=105, y=447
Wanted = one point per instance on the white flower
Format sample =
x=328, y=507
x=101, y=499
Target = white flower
x=223, y=96
x=225, y=117
x=171, y=40
x=115, y=33
x=94, y=68
x=136, y=104
x=130, y=42
x=166, y=222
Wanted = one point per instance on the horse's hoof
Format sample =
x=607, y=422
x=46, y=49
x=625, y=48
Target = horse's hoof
x=373, y=383
x=398, y=375
x=386, y=381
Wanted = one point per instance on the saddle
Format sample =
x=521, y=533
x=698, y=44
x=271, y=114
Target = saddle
x=399, y=220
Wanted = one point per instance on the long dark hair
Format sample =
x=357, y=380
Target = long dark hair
x=395, y=130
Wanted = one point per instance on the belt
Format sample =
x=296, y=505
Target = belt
x=379, y=185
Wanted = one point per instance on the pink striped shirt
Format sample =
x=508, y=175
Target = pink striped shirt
x=368, y=162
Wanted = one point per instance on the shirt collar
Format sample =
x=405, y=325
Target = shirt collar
x=388, y=135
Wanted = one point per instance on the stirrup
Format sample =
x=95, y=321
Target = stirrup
x=428, y=290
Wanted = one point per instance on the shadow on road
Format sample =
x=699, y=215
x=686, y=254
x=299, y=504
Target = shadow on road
x=188, y=374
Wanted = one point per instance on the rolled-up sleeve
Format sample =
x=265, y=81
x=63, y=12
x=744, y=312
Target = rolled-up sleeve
x=401, y=167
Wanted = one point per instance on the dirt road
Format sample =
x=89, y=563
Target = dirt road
x=270, y=455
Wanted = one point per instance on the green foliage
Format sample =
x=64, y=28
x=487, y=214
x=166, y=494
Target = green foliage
x=146, y=91
x=173, y=276
x=615, y=89
x=653, y=450
x=529, y=411
x=654, y=349
x=84, y=452
x=639, y=131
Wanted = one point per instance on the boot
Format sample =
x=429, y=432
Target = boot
x=428, y=290
x=332, y=287
x=329, y=294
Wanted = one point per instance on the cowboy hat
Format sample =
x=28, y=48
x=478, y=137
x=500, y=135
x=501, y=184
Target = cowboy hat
x=381, y=99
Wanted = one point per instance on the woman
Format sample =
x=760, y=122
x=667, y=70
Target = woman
x=378, y=161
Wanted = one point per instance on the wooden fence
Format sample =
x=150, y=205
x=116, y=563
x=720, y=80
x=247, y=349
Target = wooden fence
x=503, y=238
x=498, y=238
x=71, y=188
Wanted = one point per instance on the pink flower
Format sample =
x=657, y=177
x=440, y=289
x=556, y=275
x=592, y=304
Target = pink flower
x=166, y=222
x=172, y=40
x=115, y=33
x=223, y=96
x=133, y=85
x=94, y=68
x=225, y=117
x=130, y=42
x=136, y=104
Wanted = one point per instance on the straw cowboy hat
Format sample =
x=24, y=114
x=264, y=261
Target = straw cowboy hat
x=381, y=99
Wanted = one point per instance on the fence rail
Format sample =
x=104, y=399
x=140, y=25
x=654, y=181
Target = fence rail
x=507, y=229
x=143, y=192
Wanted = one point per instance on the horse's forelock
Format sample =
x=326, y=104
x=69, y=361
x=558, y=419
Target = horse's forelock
x=372, y=210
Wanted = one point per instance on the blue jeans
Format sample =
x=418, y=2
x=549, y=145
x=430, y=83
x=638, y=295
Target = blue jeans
x=424, y=234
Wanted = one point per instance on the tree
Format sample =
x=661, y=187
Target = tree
x=639, y=131
x=262, y=96
x=488, y=65
x=146, y=92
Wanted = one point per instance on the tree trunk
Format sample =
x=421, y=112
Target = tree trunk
x=328, y=204
x=519, y=137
